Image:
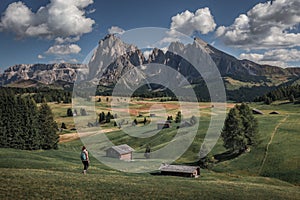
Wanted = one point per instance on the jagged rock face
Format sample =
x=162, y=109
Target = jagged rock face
x=122, y=65
x=44, y=73
x=113, y=58
x=108, y=50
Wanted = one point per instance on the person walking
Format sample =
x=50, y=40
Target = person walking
x=85, y=159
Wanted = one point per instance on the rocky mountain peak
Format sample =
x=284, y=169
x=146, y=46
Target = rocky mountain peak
x=108, y=50
x=44, y=73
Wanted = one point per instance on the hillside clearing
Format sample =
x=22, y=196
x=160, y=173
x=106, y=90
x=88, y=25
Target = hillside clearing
x=270, y=142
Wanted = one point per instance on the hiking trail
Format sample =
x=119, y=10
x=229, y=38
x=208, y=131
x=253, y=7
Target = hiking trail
x=270, y=142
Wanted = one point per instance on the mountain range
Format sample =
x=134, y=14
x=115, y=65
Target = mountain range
x=113, y=59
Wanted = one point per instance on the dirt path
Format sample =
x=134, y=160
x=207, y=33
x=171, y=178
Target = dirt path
x=270, y=142
x=74, y=136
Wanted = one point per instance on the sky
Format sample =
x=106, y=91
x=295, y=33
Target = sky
x=52, y=31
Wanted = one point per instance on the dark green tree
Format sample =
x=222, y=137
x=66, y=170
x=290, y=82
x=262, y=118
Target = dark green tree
x=250, y=124
x=69, y=112
x=178, y=117
x=30, y=127
x=101, y=117
x=48, y=128
x=233, y=132
x=108, y=117
x=63, y=125
x=134, y=123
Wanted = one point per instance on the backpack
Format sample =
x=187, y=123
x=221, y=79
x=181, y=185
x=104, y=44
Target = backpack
x=83, y=155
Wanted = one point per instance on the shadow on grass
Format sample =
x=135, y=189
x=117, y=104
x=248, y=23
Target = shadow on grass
x=228, y=155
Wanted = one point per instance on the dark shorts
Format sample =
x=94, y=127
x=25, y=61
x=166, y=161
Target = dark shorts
x=85, y=164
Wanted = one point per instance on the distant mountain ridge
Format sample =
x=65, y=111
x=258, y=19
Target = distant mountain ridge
x=229, y=66
x=41, y=73
x=113, y=58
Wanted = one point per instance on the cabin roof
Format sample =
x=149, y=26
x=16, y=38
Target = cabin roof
x=256, y=111
x=178, y=168
x=122, y=149
x=274, y=112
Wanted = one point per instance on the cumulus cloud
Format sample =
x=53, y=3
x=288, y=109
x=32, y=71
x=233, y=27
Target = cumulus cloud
x=41, y=57
x=64, y=49
x=115, y=30
x=188, y=22
x=60, y=18
x=266, y=25
x=60, y=40
x=277, y=57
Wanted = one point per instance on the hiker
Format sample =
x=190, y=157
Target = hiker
x=147, y=152
x=85, y=159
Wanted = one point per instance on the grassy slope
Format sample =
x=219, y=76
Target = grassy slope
x=56, y=174
x=283, y=156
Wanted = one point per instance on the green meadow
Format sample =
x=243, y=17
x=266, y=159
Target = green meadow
x=269, y=171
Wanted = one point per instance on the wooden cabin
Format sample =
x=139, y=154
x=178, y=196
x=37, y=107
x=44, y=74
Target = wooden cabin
x=122, y=152
x=180, y=170
x=163, y=124
x=257, y=112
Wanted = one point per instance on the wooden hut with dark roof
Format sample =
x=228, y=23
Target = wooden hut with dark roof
x=163, y=125
x=180, y=170
x=122, y=152
x=257, y=112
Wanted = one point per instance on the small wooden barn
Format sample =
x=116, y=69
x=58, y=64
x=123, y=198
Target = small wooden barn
x=257, y=112
x=122, y=152
x=180, y=170
x=163, y=124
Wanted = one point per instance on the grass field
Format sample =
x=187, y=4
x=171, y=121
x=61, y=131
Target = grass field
x=56, y=174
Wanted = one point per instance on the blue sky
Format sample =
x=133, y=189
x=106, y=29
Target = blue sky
x=47, y=31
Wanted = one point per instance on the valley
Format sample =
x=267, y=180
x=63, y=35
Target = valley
x=256, y=174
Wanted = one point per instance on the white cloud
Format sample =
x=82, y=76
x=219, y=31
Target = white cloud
x=60, y=18
x=266, y=25
x=116, y=30
x=41, y=57
x=16, y=18
x=64, y=49
x=60, y=40
x=188, y=23
x=277, y=57
x=91, y=11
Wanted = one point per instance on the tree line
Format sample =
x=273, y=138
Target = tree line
x=291, y=93
x=40, y=94
x=24, y=125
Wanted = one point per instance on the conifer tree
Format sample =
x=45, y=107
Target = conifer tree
x=240, y=128
x=108, y=117
x=249, y=123
x=30, y=115
x=233, y=132
x=178, y=117
x=69, y=112
x=48, y=128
